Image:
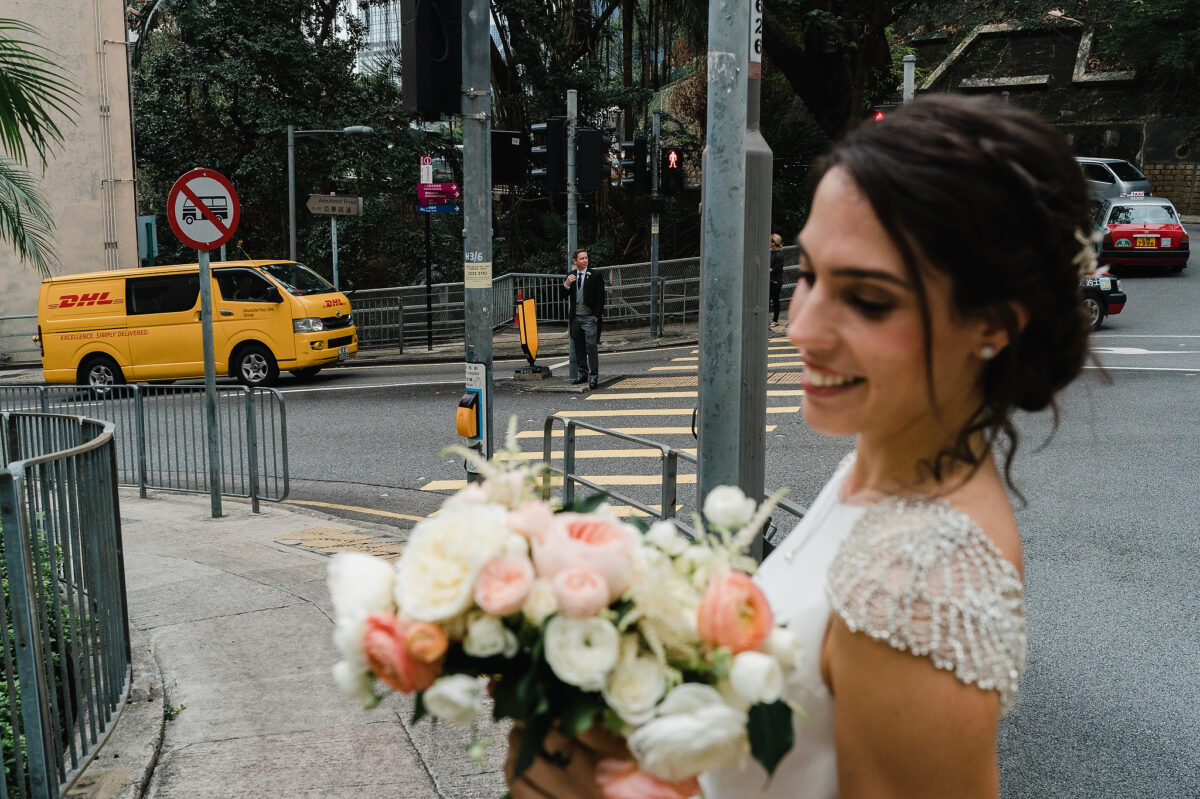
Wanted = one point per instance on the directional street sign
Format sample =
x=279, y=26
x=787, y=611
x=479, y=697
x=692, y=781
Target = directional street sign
x=203, y=209
x=334, y=205
x=437, y=193
x=439, y=209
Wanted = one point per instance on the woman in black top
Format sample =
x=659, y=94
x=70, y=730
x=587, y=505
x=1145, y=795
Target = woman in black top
x=776, y=275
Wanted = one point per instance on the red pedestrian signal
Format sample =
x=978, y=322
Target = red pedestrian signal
x=879, y=113
x=670, y=179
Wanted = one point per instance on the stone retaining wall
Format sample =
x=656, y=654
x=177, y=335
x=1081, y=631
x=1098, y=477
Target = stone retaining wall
x=1178, y=183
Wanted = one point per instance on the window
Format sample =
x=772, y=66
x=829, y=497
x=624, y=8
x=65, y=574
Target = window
x=242, y=285
x=162, y=293
x=1097, y=173
x=1142, y=215
x=298, y=279
x=1098, y=207
x=1125, y=170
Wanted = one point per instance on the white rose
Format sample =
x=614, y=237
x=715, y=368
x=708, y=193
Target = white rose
x=453, y=698
x=784, y=647
x=487, y=636
x=666, y=536
x=516, y=545
x=541, y=602
x=348, y=638
x=756, y=677
x=354, y=683
x=634, y=688
x=443, y=557
x=728, y=508
x=360, y=585
x=694, y=731
x=582, y=652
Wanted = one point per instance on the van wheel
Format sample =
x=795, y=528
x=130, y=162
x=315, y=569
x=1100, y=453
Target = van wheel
x=100, y=372
x=255, y=366
x=308, y=373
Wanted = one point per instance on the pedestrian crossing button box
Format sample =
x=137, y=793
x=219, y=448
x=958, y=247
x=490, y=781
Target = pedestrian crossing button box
x=468, y=415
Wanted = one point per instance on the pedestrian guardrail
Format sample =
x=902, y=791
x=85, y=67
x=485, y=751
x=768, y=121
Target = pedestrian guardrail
x=161, y=434
x=66, y=658
x=785, y=516
x=16, y=340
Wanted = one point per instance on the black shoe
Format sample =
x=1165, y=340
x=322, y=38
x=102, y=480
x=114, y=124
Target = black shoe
x=593, y=382
x=579, y=380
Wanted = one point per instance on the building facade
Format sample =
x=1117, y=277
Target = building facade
x=88, y=182
x=383, y=34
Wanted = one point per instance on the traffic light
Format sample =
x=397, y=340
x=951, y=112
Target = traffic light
x=550, y=157
x=670, y=173
x=431, y=56
x=591, y=164
x=635, y=165
x=879, y=113
x=508, y=158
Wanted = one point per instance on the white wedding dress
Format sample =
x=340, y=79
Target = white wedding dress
x=915, y=573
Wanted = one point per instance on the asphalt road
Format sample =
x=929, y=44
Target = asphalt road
x=1110, y=704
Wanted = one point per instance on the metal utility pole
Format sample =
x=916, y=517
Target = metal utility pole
x=723, y=245
x=572, y=195
x=291, y=148
x=910, y=77
x=333, y=236
x=654, y=298
x=210, y=387
x=755, y=281
x=477, y=203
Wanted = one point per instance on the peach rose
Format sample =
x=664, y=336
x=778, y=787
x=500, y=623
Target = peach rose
x=426, y=642
x=503, y=584
x=621, y=779
x=578, y=541
x=734, y=613
x=580, y=592
x=531, y=519
x=386, y=648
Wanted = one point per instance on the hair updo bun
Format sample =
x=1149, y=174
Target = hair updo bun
x=992, y=196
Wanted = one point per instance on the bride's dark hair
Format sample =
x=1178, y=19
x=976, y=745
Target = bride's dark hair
x=990, y=195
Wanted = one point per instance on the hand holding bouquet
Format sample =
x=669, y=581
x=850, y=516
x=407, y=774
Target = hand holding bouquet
x=580, y=619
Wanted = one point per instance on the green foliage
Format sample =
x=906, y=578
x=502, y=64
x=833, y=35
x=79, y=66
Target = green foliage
x=771, y=733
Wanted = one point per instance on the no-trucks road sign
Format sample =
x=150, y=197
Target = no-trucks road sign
x=203, y=209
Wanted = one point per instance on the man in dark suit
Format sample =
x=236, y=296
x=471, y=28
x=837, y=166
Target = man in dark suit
x=584, y=290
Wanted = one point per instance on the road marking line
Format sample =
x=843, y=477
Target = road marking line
x=355, y=509
x=629, y=431
x=690, y=368
x=1138, y=335
x=560, y=365
x=643, y=395
x=770, y=355
x=653, y=412
x=1147, y=368
x=604, y=480
x=382, y=385
x=557, y=454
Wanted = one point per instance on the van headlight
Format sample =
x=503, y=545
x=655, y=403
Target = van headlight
x=310, y=325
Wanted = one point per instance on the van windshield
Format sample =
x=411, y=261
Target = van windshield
x=298, y=279
x=1125, y=170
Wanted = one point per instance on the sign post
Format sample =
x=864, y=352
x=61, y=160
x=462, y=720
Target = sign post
x=333, y=206
x=433, y=198
x=203, y=210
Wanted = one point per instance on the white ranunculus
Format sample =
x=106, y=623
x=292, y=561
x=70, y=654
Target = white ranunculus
x=784, y=647
x=728, y=508
x=360, y=585
x=354, y=683
x=443, y=557
x=634, y=688
x=695, y=731
x=453, y=698
x=541, y=602
x=516, y=545
x=582, y=652
x=756, y=677
x=348, y=638
x=666, y=536
x=486, y=636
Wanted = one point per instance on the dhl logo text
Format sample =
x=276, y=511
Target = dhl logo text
x=334, y=301
x=80, y=300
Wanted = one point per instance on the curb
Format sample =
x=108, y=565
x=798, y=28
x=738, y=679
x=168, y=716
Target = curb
x=125, y=763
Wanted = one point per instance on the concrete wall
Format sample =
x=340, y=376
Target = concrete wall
x=89, y=181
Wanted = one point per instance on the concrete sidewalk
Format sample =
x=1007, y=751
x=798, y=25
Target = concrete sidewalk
x=237, y=616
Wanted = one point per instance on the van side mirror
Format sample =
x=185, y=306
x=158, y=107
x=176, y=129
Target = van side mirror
x=273, y=295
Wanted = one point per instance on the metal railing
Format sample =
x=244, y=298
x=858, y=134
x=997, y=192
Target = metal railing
x=161, y=434
x=66, y=659
x=669, y=458
x=16, y=340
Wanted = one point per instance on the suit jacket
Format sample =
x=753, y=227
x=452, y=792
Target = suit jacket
x=593, y=294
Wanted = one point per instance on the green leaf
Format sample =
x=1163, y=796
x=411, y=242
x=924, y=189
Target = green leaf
x=419, y=709
x=532, y=738
x=587, y=504
x=580, y=713
x=771, y=733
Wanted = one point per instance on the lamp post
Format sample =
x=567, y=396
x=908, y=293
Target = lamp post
x=292, y=133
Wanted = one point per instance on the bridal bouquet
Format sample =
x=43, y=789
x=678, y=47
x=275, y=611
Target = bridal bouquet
x=578, y=618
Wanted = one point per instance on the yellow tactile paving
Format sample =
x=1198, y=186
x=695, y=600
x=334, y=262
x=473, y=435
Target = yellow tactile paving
x=372, y=511
x=557, y=454
x=331, y=540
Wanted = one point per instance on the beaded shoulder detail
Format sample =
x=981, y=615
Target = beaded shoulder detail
x=923, y=577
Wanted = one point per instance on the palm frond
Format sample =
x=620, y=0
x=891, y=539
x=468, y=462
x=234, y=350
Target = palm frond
x=25, y=221
x=32, y=93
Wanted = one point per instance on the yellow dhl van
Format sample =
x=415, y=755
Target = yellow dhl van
x=144, y=324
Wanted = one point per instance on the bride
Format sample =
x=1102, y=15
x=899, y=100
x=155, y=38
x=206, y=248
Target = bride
x=938, y=293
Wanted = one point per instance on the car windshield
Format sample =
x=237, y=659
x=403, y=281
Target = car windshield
x=298, y=279
x=1142, y=215
x=1125, y=170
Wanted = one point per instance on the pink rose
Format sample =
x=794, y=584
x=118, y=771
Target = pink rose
x=531, y=520
x=385, y=644
x=735, y=613
x=426, y=642
x=621, y=779
x=580, y=592
x=503, y=584
x=602, y=545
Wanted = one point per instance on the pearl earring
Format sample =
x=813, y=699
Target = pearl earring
x=987, y=352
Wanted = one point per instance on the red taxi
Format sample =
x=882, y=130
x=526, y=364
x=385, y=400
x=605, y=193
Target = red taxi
x=1141, y=231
